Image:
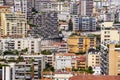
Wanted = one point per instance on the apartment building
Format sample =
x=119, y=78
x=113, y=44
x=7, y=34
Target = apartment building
x=29, y=68
x=32, y=44
x=85, y=7
x=87, y=23
x=80, y=43
x=17, y=5
x=62, y=47
x=64, y=61
x=20, y=6
x=56, y=46
x=13, y=25
x=63, y=9
x=63, y=26
x=93, y=60
x=80, y=62
x=109, y=34
x=23, y=71
x=17, y=71
x=47, y=24
x=39, y=64
x=5, y=9
x=74, y=8
x=110, y=59
x=1, y=2
x=49, y=59
x=75, y=20
x=84, y=23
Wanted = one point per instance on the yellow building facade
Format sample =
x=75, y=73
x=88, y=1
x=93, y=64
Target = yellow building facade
x=80, y=43
x=110, y=59
x=12, y=24
x=114, y=60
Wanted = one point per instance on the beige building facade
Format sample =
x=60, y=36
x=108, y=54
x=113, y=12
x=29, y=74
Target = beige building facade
x=12, y=24
x=109, y=34
x=110, y=59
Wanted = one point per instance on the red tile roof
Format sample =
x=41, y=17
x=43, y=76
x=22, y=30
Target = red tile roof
x=45, y=79
x=65, y=54
x=4, y=6
x=81, y=58
x=93, y=77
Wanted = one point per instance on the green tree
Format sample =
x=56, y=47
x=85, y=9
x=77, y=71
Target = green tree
x=48, y=67
x=25, y=50
x=34, y=10
x=46, y=52
x=90, y=70
x=70, y=25
x=20, y=59
x=74, y=69
x=11, y=52
x=80, y=53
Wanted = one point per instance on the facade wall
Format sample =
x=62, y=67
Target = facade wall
x=33, y=45
x=110, y=56
x=13, y=25
x=80, y=43
x=63, y=61
x=107, y=34
x=94, y=60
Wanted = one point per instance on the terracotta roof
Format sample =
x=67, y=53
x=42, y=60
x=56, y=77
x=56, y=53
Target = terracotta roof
x=59, y=43
x=63, y=72
x=4, y=6
x=69, y=54
x=45, y=79
x=81, y=58
x=63, y=23
x=93, y=77
x=65, y=54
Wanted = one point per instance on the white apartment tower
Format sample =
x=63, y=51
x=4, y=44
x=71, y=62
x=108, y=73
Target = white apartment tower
x=33, y=45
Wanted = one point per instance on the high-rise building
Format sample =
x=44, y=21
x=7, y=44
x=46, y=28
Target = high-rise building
x=46, y=24
x=85, y=7
x=87, y=23
x=74, y=8
x=76, y=24
x=13, y=25
x=109, y=33
x=17, y=5
x=84, y=23
x=110, y=59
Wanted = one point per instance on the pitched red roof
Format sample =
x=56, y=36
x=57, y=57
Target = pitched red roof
x=94, y=77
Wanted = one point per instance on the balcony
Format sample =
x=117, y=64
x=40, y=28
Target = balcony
x=20, y=69
x=20, y=76
x=28, y=76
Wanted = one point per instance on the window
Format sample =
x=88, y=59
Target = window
x=118, y=65
x=18, y=41
x=107, y=36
